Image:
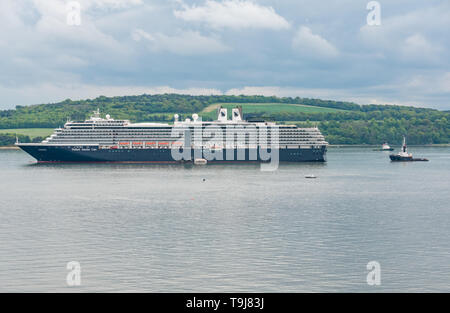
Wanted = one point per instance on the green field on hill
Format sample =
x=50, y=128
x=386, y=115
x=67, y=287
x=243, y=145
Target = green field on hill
x=211, y=111
x=341, y=122
x=30, y=132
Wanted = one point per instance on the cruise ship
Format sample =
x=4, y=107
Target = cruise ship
x=104, y=139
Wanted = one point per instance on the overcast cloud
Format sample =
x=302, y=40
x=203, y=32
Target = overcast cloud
x=322, y=49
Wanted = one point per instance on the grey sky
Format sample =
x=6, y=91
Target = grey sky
x=322, y=49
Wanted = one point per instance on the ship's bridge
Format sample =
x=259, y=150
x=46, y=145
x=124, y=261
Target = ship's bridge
x=96, y=121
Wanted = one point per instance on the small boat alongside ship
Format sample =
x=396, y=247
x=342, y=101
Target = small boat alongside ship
x=384, y=147
x=200, y=161
x=404, y=156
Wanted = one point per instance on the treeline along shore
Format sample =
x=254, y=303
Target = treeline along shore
x=342, y=123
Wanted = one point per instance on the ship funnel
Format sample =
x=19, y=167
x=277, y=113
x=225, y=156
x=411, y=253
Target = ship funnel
x=223, y=115
x=237, y=114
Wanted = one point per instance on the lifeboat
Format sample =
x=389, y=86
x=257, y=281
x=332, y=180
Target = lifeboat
x=200, y=161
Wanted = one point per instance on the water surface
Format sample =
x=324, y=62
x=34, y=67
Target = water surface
x=224, y=228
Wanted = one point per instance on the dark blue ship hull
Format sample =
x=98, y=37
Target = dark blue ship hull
x=59, y=153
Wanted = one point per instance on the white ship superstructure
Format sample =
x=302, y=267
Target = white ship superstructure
x=109, y=135
x=123, y=133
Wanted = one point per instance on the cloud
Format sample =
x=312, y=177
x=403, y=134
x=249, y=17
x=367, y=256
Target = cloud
x=414, y=91
x=308, y=44
x=108, y=4
x=255, y=91
x=46, y=48
x=184, y=43
x=44, y=24
x=53, y=92
x=59, y=8
x=234, y=14
x=414, y=38
x=417, y=46
x=427, y=84
x=409, y=92
x=225, y=45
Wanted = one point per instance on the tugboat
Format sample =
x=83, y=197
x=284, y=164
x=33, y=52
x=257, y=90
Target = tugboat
x=385, y=147
x=404, y=156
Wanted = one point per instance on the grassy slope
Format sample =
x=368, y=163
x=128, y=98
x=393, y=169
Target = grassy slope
x=340, y=122
x=266, y=107
x=31, y=132
x=210, y=111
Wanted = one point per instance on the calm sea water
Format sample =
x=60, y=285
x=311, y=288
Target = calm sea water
x=164, y=229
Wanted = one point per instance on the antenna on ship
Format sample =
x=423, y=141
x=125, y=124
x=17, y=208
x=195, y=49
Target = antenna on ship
x=404, y=145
